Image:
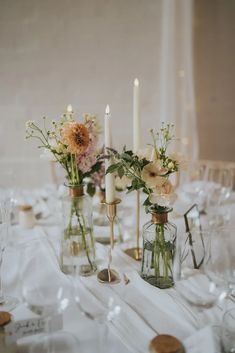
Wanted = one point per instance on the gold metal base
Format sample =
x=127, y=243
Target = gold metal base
x=108, y=276
x=135, y=253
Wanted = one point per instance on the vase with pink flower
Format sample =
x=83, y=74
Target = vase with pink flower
x=74, y=145
x=149, y=170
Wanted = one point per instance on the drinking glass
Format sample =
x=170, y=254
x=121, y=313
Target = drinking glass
x=195, y=186
x=220, y=182
x=101, y=312
x=228, y=239
x=7, y=302
x=205, y=284
x=228, y=331
x=8, y=192
x=46, y=293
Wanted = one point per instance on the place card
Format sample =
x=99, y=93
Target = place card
x=23, y=328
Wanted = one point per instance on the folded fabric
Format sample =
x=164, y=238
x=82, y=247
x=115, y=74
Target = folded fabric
x=204, y=341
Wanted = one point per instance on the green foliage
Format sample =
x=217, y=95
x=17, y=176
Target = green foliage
x=91, y=189
x=131, y=165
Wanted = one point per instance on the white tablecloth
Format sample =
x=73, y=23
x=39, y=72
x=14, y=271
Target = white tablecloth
x=146, y=311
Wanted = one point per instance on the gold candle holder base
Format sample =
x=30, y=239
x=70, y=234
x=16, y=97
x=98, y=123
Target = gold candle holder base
x=108, y=275
x=135, y=253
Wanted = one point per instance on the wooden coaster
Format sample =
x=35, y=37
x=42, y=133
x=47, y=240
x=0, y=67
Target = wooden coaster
x=103, y=276
x=166, y=344
x=5, y=318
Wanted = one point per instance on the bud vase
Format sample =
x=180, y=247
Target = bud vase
x=159, y=241
x=78, y=247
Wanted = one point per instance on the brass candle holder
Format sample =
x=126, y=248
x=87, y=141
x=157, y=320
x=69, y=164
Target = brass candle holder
x=136, y=252
x=109, y=275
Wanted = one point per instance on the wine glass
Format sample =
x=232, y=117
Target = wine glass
x=7, y=302
x=202, y=284
x=46, y=293
x=227, y=236
x=195, y=187
x=100, y=311
x=220, y=182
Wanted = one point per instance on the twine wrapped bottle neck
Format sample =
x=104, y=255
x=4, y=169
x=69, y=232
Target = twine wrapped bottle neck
x=160, y=218
x=76, y=191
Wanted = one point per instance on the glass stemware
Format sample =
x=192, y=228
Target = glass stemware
x=101, y=313
x=227, y=236
x=205, y=285
x=47, y=294
x=7, y=302
x=220, y=182
x=194, y=186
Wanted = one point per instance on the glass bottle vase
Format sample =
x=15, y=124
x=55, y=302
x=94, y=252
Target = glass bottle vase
x=159, y=241
x=78, y=247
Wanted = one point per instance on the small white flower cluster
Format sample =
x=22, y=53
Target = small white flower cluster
x=29, y=124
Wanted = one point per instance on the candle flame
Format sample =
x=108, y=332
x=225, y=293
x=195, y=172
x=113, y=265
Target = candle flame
x=107, y=109
x=69, y=108
x=136, y=82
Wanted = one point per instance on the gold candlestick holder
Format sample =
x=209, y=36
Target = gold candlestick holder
x=136, y=252
x=109, y=275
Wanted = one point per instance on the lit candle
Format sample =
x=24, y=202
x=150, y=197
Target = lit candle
x=109, y=178
x=136, y=117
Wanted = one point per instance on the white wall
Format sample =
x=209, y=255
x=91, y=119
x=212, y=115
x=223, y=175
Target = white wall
x=214, y=48
x=87, y=53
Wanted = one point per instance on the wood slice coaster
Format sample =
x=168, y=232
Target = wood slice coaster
x=5, y=318
x=166, y=344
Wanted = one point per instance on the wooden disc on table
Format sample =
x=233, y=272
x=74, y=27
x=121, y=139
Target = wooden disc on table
x=5, y=318
x=166, y=344
x=108, y=276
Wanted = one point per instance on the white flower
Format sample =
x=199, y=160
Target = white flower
x=161, y=200
x=29, y=124
x=170, y=165
x=179, y=159
x=153, y=174
x=122, y=183
x=163, y=195
x=47, y=155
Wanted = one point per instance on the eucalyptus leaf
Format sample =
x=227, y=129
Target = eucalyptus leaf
x=121, y=172
x=113, y=168
x=91, y=189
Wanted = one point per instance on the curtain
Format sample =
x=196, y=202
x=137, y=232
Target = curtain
x=177, y=101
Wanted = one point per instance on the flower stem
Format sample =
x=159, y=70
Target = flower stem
x=84, y=237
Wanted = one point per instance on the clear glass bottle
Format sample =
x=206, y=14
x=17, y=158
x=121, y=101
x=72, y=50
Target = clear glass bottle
x=159, y=238
x=78, y=247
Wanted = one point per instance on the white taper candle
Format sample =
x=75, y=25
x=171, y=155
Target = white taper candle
x=109, y=178
x=136, y=117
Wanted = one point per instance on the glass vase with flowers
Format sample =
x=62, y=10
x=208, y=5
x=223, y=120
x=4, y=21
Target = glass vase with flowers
x=74, y=145
x=149, y=170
